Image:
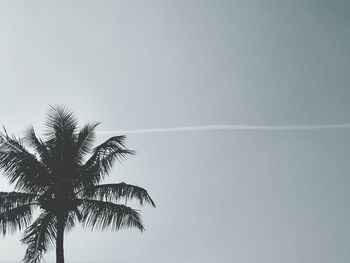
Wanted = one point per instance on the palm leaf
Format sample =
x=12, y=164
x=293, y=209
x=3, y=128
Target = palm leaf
x=102, y=159
x=16, y=218
x=22, y=167
x=114, y=192
x=60, y=122
x=61, y=140
x=38, y=145
x=85, y=139
x=39, y=237
x=73, y=216
x=10, y=200
x=107, y=215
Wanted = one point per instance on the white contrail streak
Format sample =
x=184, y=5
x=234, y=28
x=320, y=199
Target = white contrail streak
x=236, y=127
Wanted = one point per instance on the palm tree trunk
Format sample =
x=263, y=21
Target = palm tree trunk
x=59, y=240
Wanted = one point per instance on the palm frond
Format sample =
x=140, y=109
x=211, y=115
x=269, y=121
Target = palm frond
x=10, y=200
x=114, y=192
x=60, y=122
x=85, y=139
x=39, y=237
x=102, y=160
x=73, y=216
x=15, y=219
x=21, y=166
x=107, y=215
x=60, y=140
x=38, y=145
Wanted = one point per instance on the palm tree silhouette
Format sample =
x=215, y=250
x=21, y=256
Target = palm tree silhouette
x=61, y=176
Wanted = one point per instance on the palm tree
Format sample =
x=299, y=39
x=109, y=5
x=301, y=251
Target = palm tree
x=61, y=175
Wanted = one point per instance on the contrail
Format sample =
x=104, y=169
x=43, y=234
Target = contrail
x=213, y=127
x=237, y=127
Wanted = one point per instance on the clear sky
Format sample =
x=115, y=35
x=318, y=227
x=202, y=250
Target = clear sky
x=222, y=196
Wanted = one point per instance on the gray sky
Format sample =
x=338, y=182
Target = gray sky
x=222, y=196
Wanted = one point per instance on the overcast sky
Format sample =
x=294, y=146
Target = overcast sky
x=222, y=196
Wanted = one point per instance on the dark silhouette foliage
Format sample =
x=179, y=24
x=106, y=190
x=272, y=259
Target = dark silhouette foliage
x=61, y=176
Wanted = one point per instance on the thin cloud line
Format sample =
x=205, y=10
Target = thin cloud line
x=237, y=127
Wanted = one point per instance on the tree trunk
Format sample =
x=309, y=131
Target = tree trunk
x=59, y=240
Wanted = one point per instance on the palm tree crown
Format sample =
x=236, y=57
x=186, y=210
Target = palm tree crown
x=61, y=175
